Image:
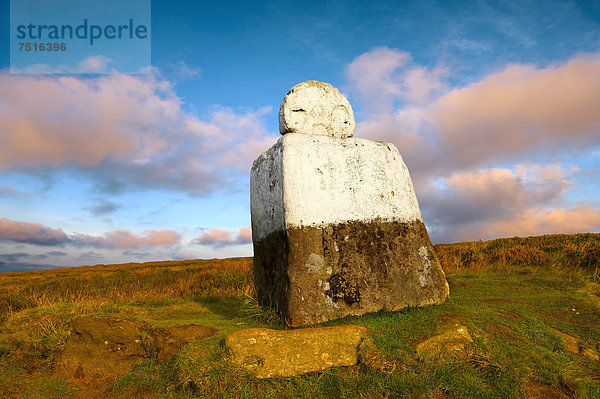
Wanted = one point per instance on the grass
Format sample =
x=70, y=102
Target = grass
x=512, y=294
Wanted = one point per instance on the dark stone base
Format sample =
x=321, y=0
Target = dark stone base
x=311, y=274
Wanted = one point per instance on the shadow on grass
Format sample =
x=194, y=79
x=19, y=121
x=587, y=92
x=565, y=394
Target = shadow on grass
x=229, y=307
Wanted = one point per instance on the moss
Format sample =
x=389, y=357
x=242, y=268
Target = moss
x=313, y=274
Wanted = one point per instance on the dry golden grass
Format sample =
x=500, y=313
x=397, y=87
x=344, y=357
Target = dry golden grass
x=564, y=251
x=185, y=279
x=124, y=282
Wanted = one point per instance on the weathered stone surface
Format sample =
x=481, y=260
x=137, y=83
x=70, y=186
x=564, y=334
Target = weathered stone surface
x=318, y=108
x=274, y=353
x=336, y=224
x=313, y=274
x=453, y=340
x=315, y=181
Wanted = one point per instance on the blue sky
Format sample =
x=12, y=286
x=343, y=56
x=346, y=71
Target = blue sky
x=493, y=105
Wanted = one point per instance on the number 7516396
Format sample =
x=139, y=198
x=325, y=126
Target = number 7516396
x=42, y=46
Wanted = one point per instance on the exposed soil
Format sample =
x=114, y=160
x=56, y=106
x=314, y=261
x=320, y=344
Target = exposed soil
x=100, y=349
x=512, y=315
x=499, y=331
x=538, y=391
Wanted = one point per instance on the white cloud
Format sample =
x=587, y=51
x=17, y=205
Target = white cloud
x=384, y=76
x=124, y=131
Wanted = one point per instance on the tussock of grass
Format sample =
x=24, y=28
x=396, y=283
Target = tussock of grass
x=512, y=294
x=262, y=314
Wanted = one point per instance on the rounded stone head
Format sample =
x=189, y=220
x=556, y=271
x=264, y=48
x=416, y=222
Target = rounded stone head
x=316, y=108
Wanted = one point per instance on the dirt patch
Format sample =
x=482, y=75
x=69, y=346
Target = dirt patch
x=578, y=313
x=499, y=331
x=512, y=315
x=538, y=391
x=99, y=349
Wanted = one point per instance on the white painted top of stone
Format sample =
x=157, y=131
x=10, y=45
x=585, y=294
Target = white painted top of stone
x=316, y=108
x=315, y=181
x=266, y=192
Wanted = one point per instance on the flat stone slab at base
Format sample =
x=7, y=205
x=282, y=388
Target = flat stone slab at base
x=274, y=353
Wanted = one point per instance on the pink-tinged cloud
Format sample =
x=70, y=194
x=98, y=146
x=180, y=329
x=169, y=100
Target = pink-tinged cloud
x=521, y=109
x=537, y=221
x=528, y=184
x=225, y=127
x=513, y=115
x=522, y=117
x=465, y=203
x=31, y=233
x=182, y=71
x=383, y=75
x=125, y=132
x=124, y=239
x=95, y=64
x=245, y=234
x=60, y=120
x=222, y=238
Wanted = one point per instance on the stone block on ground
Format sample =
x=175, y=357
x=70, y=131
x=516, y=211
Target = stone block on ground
x=274, y=353
x=337, y=231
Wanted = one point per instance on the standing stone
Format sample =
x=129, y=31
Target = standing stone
x=336, y=225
